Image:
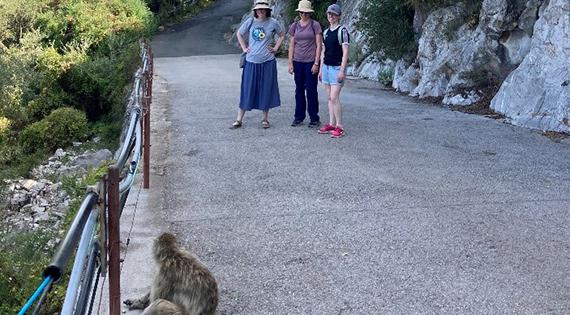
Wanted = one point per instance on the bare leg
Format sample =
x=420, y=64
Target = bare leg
x=265, y=115
x=332, y=120
x=240, y=115
x=334, y=100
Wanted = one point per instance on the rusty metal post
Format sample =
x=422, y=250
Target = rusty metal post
x=147, y=96
x=146, y=135
x=114, y=241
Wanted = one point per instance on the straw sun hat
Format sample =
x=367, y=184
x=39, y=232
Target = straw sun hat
x=261, y=4
x=305, y=6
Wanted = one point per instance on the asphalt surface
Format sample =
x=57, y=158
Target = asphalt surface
x=417, y=210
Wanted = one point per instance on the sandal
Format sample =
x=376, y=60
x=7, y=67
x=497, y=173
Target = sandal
x=236, y=124
x=264, y=124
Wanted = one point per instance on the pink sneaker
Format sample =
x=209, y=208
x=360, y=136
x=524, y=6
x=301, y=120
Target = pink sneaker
x=327, y=128
x=337, y=132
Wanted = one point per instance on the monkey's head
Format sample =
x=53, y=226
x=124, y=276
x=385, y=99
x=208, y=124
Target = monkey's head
x=164, y=244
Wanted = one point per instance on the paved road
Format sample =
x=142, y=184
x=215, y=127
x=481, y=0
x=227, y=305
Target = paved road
x=418, y=210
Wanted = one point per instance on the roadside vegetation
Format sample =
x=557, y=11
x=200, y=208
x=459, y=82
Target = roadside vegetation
x=388, y=24
x=65, y=71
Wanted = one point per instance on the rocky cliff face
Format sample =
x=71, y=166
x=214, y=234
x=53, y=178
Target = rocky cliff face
x=537, y=93
x=522, y=46
x=455, y=63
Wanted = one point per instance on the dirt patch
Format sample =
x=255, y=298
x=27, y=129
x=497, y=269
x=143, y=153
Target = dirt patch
x=483, y=106
x=480, y=108
x=557, y=137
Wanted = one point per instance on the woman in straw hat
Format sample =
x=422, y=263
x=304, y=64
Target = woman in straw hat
x=305, y=43
x=259, y=88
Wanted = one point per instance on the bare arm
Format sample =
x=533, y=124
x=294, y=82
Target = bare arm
x=242, y=43
x=342, y=72
x=290, y=55
x=318, y=62
x=322, y=57
x=275, y=48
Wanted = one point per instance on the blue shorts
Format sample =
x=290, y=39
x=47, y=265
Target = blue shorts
x=330, y=75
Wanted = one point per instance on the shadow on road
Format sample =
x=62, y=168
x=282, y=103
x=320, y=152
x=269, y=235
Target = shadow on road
x=203, y=34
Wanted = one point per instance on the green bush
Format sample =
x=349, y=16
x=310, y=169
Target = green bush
x=49, y=99
x=385, y=77
x=17, y=17
x=18, y=78
x=387, y=25
x=65, y=125
x=33, y=136
x=58, y=130
x=100, y=85
x=22, y=259
x=94, y=21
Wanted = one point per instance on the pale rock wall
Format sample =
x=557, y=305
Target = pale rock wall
x=537, y=93
x=454, y=64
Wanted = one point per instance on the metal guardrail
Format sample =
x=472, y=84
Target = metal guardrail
x=94, y=233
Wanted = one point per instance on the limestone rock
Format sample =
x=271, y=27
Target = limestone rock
x=535, y=94
x=405, y=78
x=32, y=204
x=92, y=159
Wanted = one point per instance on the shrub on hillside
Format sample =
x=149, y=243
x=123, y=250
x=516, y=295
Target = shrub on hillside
x=94, y=21
x=32, y=137
x=99, y=85
x=18, y=78
x=387, y=25
x=58, y=130
x=22, y=259
x=17, y=17
x=65, y=125
x=4, y=128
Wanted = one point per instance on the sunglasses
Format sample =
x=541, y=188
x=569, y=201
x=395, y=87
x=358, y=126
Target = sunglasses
x=303, y=13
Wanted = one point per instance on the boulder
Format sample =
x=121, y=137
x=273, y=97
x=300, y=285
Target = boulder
x=405, y=78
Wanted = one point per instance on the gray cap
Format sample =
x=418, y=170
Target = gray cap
x=334, y=8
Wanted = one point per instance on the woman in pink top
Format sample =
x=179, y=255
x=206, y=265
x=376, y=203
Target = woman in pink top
x=305, y=43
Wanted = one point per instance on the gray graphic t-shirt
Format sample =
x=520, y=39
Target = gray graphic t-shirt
x=261, y=35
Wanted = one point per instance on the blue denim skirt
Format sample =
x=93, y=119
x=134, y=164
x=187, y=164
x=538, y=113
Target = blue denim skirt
x=259, y=88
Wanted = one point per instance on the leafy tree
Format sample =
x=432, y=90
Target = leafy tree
x=387, y=25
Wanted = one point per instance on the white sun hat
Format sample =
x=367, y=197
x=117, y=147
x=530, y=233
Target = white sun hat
x=261, y=4
x=305, y=6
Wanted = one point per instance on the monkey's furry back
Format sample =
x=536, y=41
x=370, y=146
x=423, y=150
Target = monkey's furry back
x=183, y=279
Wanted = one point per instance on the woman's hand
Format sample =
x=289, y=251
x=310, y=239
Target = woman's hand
x=290, y=68
x=273, y=49
x=245, y=50
x=315, y=69
x=341, y=76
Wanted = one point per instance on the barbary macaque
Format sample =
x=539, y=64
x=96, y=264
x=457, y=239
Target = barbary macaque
x=183, y=285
